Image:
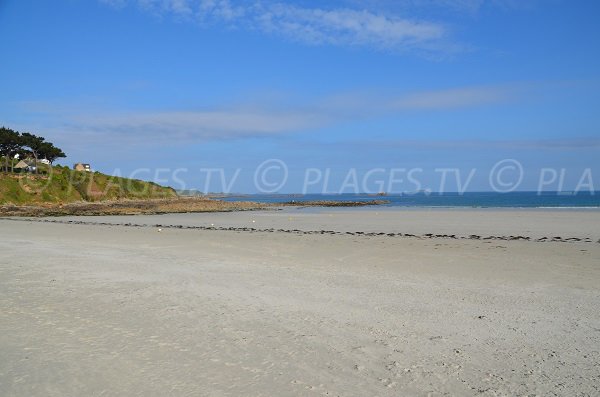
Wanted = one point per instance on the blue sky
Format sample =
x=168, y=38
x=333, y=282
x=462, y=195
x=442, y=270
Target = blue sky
x=164, y=85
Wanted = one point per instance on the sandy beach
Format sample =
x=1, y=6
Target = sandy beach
x=533, y=223
x=267, y=305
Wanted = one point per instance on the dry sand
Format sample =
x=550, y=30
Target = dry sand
x=117, y=310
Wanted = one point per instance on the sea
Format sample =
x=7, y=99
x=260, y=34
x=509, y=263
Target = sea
x=565, y=200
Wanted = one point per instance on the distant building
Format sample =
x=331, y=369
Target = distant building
x=82, y=167
x=23, y=166
x=45, y=161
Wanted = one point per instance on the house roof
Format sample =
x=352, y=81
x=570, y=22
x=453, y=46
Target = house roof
x=21, y=164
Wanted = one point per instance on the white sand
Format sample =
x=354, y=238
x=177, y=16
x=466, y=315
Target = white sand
x=112, y=310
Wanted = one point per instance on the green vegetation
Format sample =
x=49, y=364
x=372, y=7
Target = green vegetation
x=63, y=185
x=58, y=184
x=26, y=145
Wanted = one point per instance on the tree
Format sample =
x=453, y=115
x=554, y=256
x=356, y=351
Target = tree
x=34, y=143
x=12, y=142
x=9, y=144
x=50, y=152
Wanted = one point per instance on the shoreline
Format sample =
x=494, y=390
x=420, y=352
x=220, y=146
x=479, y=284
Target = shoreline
x=194, y=205
x=554, y=239
x=161, y=206
x=534, y=225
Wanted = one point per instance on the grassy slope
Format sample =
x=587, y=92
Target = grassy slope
x=63, y=185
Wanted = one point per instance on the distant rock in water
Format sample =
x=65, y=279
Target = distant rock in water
x=334, y=203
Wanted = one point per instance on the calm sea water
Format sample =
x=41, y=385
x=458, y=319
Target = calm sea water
x=472, y=199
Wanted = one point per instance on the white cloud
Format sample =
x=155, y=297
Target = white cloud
x=345, y=26
x=335, y=26
x=369, y=104
x=468, y=7
x=198, y=125
x=105, y=127
x=268, y=119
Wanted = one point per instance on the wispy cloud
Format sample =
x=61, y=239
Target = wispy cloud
x=395, y=146
x=348, y=27
x=316, y=26
x=465, y=7
x=455, y=98
x=258, y=120
x=210, y=125
x=372, y=104
x=576, y=143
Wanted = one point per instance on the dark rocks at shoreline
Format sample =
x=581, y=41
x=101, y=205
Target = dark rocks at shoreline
x=162, y=206
x=426, y=236
x=333, y=203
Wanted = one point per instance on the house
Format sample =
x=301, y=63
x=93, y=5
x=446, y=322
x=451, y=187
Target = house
x=45, y=161
x=82, y=167
x=23, y=166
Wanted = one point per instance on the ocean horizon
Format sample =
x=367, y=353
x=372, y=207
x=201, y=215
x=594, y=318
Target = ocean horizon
x=443, y=200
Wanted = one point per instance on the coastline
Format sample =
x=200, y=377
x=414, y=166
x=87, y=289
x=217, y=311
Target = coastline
x=160, y=206
x=457, y=223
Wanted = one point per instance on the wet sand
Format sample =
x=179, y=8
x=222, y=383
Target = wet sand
x=92, y=309
x=583, y=224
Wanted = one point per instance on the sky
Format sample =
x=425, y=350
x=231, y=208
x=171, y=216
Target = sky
x=312, y=96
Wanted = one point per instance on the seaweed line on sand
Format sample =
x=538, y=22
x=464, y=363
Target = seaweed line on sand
x=555, y=239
